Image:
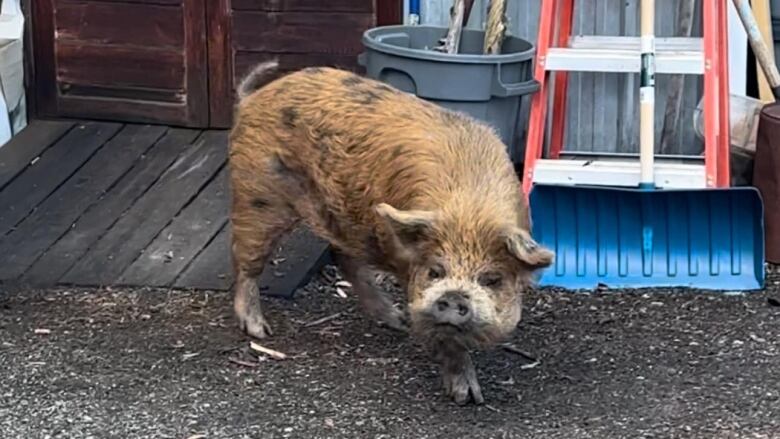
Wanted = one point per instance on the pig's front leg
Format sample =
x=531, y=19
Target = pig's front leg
x=374, y=303
x=458, y=374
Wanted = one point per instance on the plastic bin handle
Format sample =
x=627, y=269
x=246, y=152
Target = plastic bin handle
x=501, y=89
x=361, y=59
x=381, y=38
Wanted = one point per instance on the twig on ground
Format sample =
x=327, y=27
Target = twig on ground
x=515, y=350
x=322, y=320
x=270, y=352
x=530, y=365
x=244, y=363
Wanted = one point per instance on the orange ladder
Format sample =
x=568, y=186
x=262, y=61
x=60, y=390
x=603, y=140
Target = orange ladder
x=707, y=56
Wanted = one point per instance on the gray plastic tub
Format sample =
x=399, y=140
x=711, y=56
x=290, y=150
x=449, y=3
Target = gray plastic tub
x=488, y=87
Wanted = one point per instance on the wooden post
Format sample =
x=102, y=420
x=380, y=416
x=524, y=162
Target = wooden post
x=451, y=42
x=763, y=15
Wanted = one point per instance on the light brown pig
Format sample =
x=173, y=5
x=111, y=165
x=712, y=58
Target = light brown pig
x=395, y=184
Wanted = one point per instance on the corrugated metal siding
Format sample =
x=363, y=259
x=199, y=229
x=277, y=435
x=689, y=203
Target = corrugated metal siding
x=603, y=112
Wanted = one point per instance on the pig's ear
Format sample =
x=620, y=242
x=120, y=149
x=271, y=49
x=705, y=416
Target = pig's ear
x=523, y=247
x=408, y=226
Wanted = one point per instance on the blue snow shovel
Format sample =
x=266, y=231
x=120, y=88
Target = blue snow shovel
x=666, y=228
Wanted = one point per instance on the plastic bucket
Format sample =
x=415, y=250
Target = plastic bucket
x=487, y=87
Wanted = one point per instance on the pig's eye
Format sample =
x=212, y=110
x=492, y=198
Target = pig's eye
x=490, y=280
x=436, y=272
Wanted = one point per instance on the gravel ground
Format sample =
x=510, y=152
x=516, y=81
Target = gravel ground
x=170, y=364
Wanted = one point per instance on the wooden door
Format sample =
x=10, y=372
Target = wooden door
x=127, y=60
x=178, y=62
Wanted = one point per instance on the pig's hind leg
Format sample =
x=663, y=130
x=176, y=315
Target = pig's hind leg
x=258, y=221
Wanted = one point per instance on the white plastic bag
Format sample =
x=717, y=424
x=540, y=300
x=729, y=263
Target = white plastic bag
x=11, y=21
x=12, y=99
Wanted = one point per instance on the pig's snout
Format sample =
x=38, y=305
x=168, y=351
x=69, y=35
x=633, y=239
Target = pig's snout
x=452, y=308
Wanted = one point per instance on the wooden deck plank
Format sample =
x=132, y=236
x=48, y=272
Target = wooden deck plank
x=55, y=215
x=100, y=216
x=30, y=143
x=126, y=239
x=178, y=243
x=299, y=256
x=211, y=269
x=57, y=164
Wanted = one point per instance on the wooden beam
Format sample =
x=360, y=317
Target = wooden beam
x=763, y=14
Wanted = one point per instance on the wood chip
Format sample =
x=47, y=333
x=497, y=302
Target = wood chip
x=190, y=355
x=322, y=320
x=42, y=331
x=197, y=436
x=264, y=350
x=343, y=284
x=530, y=365
x=341, y=293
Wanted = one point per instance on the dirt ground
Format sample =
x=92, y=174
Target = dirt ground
x=170, y=364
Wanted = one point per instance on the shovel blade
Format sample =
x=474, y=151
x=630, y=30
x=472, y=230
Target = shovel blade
x=711, y=239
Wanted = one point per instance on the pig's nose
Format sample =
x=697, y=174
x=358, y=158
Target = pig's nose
x=452, y=308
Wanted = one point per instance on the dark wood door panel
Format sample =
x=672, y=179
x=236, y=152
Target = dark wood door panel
x=155, y=25
x=300, y=32
x=120, y=67
x=137, y=61
x=364, y=6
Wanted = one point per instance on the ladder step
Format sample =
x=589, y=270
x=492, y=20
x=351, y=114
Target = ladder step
x=595, y=53
x=595, y=155
x=617, y=173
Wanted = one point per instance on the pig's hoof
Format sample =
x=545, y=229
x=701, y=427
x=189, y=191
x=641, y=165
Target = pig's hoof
x=395, y=319
x=255, y=325
x=463, y=387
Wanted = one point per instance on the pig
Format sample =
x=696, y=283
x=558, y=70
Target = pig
x=395, y=184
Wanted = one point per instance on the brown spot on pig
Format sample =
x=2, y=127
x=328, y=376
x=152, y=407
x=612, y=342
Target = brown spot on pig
x=395, y=184
x=259, y=203
x=352, y=81
x=289, y=117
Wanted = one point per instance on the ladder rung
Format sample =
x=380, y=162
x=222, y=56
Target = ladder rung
x=617, y=173
x=622, y=55
x=596, y=155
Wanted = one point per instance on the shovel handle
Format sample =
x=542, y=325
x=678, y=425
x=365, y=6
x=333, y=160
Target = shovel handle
x=647, y=95
x=758, y=45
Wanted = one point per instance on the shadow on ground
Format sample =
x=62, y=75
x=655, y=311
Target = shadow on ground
x=171, y=364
